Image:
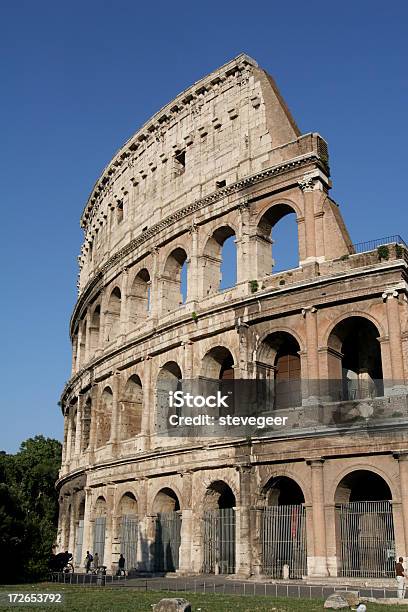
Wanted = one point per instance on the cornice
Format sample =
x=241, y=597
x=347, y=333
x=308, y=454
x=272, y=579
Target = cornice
x=216, y=196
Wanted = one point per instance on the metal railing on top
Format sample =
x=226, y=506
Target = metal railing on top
x=370, y=245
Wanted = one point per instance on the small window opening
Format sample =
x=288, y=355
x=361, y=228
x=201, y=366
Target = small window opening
x=220, y=184
x=180, y=161
x=119, y=211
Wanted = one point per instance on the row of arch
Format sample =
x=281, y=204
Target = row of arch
x=216, y=271
x=354, y=366
x=360, y=491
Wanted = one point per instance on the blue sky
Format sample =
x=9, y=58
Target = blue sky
x=78, y=78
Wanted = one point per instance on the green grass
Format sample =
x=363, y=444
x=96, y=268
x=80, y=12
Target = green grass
x=127, y=599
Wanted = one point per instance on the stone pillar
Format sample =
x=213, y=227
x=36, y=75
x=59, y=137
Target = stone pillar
x=243, y=244
x=94, y=420
x=72, y=523
x=79, y=425
x=69, y=436
x=65, y=443
x=114, y=437
x=188, y=360
x=124, y=306
x=403, y=482
x=87, y=542
x=310, y=392
x=186, y=525
x=319, y=520
x=391, y=300
x=243, y=536
x=192, y=281
x=307, y=185
x=109, y=535
x=147, y=402
x=156, y=284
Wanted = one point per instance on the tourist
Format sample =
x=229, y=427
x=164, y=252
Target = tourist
x=400, y=573
x=121, y=570
x=96, y=561
x=88, y=561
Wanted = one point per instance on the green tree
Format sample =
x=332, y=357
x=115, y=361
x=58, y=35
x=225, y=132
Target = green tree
x=28, y=508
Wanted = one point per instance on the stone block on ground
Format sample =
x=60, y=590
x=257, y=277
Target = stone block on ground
x=172, y=604
x=336, y=602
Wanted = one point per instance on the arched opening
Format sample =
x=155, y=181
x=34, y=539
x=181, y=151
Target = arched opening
x=365, y=539
x=354, y=360
x=73, y=419
x=86, y=424
x=129, y=529
x=139, y=298
x=218, y=364
x=99, y=534
x=169, y=380
x=79, y=533
x=278, y=363
x=113, y=315
x=174, y=281
x=219, y=261
x=103, y=429
x=283, y=533
x=131, y=408
x=219, y=529
x=94, y=330
x=168, y=529
x=82, y=342
x=276, y=240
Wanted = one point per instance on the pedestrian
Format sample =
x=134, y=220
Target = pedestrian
x=96, y=560
x=88, y=561
x=400, y=574
x=121, y=570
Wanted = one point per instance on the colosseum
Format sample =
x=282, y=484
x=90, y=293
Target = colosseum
x=327, y=495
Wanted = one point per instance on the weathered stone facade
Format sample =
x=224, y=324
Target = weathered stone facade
x=225, y=158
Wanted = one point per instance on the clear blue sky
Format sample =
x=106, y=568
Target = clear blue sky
x=78, y=78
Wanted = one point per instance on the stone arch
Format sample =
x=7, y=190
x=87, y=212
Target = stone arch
x=278, y=363
x=215, y=264
x=282, y=491
x=266, y=225
x=139, y=297
x=128, y=504
x=94, y=330
x=100, y=507
x=354, y=359
x=113, y=313
x=341, y=489
x=104, y=419
x=351, y=313
x=218, y=363
x=218, y=496
x=131, y=408
x=82, y=340
x=166, y=500
x=174, y=280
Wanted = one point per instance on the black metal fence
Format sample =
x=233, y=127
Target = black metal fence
x=370, y=245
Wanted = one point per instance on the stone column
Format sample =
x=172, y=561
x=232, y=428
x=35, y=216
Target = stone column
x=72, y=523
x=319, y=520
x=69, y=437
x=109, y=535
x=147, y=402
x=403, y=482
x=79, y=424
x=188, y=360
x=87, y=541
x=311, y=384
x=65, y=443
x=186, y=525
x=192, y=282
x=94, y=420
x=243, y=245
x=114, y=437
x=243, y=536
x=156, y=284
x=307, y=185
x=391, y=300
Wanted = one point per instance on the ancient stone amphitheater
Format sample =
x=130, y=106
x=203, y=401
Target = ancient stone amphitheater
x=224, y=163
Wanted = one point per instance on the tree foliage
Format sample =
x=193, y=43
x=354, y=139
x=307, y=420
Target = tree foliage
x=28, y=508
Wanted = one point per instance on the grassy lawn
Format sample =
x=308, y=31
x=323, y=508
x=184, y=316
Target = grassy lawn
x=93, y=599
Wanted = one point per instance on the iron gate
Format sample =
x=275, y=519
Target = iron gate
x=283, y=536
x=99, y=538
x=219, y=541
x=167, y=542
x=129, y=539
x=367, y=541
x=78, y=542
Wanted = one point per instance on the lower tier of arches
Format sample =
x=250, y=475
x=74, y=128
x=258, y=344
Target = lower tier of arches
x=339, y=516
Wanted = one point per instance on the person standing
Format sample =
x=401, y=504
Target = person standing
x=400, y=574
x=88, y=561
x=121, y=571
x=96, y=561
